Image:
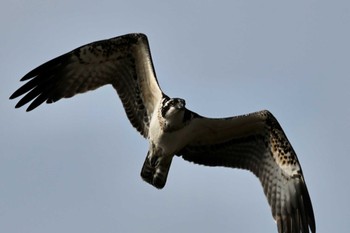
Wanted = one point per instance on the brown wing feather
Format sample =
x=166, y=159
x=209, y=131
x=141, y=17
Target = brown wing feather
x=256, y=142
x=124, y=61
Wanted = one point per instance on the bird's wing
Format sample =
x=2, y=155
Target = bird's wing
x=124, y=62
x=256, y=142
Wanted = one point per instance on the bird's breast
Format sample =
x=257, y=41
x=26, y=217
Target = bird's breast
x=169, y=142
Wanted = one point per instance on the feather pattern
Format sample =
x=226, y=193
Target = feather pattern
x=256, y=142
x=124, y=62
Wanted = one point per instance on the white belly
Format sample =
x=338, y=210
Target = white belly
x=168, y=142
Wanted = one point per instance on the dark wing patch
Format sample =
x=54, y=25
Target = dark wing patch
x=261, y=147
x=124, y=62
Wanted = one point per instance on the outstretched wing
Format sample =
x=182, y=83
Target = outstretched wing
x=256, y=142
x=124, y=62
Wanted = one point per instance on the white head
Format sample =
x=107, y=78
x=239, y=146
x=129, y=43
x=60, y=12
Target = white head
x=172, y=111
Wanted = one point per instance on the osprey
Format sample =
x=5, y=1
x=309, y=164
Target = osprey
x=255, y=141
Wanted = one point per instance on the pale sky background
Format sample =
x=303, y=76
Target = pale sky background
x=74, y=166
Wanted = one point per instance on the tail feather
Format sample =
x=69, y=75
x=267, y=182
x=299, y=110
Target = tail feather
x=156, y=173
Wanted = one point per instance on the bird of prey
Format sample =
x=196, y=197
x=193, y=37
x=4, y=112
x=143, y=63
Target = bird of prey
x=255, y=141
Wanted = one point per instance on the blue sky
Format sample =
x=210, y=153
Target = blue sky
x=74, y=166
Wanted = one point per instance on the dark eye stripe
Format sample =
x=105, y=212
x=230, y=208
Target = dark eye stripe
x=166, y=103
x=165, y=109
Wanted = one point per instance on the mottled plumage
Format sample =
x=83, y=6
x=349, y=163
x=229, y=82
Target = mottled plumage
x=255, y=142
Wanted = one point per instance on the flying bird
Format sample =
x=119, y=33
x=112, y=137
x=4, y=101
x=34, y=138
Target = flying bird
x=255, y=141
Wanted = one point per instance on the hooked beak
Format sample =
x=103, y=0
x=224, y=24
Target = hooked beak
x=180, y=104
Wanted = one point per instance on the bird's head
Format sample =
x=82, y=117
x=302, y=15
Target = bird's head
x=172, y=106
x=172, y=111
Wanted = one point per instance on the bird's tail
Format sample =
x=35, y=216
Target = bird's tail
x=155, y=170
